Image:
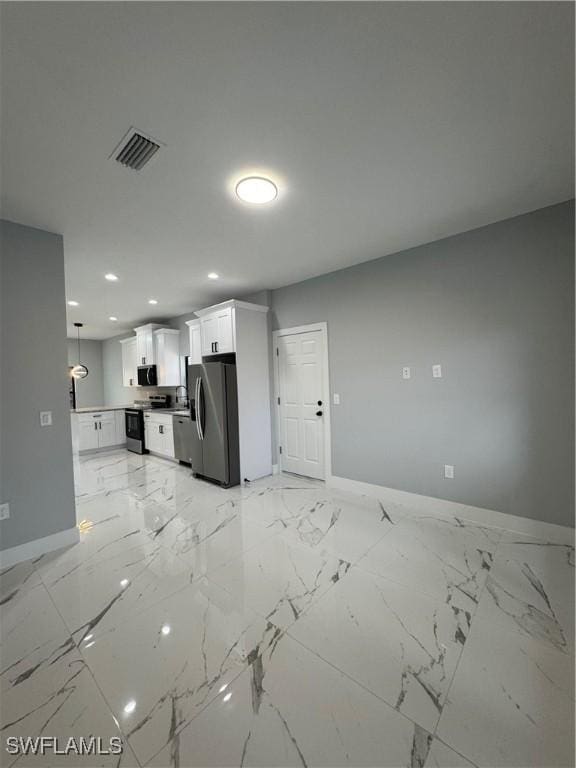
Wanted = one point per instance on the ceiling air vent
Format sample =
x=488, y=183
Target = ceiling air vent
x=135, y=150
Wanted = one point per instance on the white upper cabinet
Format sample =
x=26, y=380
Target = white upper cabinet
x=167, y=356
x=145, y=351
x=129, y=365
x=152, y=345
x=195, y=337
x=242, y=328
x=217, y=331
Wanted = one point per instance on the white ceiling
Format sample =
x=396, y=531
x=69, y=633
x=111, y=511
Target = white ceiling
x=386, y=125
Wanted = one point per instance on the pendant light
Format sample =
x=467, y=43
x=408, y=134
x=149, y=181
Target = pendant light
x=79, y=371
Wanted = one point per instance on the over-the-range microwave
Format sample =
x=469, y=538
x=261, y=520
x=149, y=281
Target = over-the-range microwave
x=147, y=376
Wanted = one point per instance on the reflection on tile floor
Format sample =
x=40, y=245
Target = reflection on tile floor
x=286, y=624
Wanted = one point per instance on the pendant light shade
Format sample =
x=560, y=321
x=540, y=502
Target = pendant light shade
x=79, y=371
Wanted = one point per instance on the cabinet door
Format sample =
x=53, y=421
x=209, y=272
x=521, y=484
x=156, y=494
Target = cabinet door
x=195, y=344
x=225, y=340
x=150, y=351
x=141, y=350
x=88, y=435
x=168, y=440
x=209, y=332
x=147, y=434
x=106, y=431
x=129, y=374
x=167, y=358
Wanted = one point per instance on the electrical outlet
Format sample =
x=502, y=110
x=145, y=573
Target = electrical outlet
x=4, y=511
x=336, y=399
x=449, y=471
x=406, y=372
x=437, y=371
x=45, y=418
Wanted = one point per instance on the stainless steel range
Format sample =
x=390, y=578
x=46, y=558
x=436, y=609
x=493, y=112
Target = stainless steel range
x=135, y=420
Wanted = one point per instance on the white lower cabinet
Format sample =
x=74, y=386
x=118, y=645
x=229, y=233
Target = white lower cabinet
x=87, y=434
x=158, y=434
x=100, y=430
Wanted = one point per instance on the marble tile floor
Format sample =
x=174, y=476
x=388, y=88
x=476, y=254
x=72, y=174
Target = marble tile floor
x=286, y=624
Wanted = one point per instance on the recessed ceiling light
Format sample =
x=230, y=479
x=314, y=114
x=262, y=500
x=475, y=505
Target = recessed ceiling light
x=152, y=301
x=111, y=276
x=72, y=303
x=213, y=275
x=257, y=190
x=114, y=319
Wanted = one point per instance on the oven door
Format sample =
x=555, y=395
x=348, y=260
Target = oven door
x=147, y=376
x=134, y=425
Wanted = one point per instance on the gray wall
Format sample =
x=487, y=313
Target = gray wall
x=114, y=392
x=494, y=306
x=89, y=391
x=36, y=475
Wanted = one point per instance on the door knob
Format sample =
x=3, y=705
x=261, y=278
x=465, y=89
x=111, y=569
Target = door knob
x=318, y=413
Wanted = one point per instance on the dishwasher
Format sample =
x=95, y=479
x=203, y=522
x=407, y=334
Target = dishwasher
x=183, y=445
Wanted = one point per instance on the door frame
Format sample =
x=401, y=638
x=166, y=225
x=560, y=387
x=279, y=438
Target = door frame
x=323, y=328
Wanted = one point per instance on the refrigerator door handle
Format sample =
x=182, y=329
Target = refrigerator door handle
x=198, y=410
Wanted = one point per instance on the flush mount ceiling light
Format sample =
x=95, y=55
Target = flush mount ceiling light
x=72, y=303
x=111, y=276
x=256, y=190
x=79, y=371
x=152, y=301
x=213, y=275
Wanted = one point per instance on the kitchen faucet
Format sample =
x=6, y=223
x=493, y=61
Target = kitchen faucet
x=177, y=397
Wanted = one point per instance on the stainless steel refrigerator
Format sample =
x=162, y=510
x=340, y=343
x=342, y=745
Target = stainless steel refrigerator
x=214, y=412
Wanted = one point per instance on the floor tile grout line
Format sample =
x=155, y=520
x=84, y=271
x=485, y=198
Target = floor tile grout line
x=451, y=684
x=108, y=705
x=86, y=665
x=244, y=669
x=352, y=679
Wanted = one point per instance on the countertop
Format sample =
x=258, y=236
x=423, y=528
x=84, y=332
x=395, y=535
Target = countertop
x=99, y=409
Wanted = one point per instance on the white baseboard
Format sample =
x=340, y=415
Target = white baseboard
x=37, y=547
x=429, y=505
x=173, y=459
x=275, y=469
x=101, y=450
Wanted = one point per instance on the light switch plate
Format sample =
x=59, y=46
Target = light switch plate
x=437, y=371
x=4, y=511
x=45, y=418
x=336, y=399
x=449, y=471
x=406, y=372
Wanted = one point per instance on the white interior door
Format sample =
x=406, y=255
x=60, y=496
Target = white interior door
x=301, y=391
